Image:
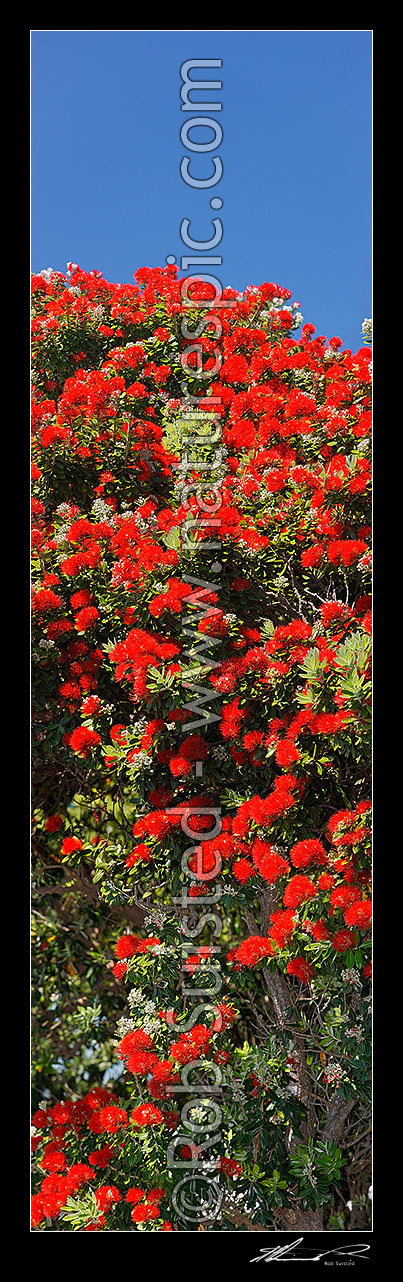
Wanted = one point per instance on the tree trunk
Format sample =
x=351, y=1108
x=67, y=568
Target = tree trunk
x=302, y=1221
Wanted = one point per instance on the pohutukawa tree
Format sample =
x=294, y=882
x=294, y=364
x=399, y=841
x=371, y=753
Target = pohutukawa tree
x=201, y=761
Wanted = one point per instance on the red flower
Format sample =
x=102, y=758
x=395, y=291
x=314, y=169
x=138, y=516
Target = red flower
x=111, y=1118
x=137, y=1040
x=107, y=1196
x=298, y=890
x=301, y=968
x=44, y=600
x=271, y=865
x=53, y=823
x=83, y=740
x=242, y=870
x=127, y=945
x=283, y=925
x=91, y=706
x=360, y=914
x=147, y=1115
x=317, y=929
x=342, y=940
x=70, y=844
x=53, y=1161
x=146, y=1211
x=308, y=852
x=229, y=1167
x=231, y=719
x=286, y=753
x=101, y=1157
x=253, y=950
x=86, y=619
x=141, y=1063
x=343, y=896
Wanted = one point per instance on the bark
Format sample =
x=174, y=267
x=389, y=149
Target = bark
x=297, y=1221
x=284, y=1010
x=337, y=1115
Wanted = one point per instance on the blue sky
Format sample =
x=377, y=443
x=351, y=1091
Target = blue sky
x=296, y=187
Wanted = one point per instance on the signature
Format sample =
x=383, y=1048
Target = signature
x=294, y=1251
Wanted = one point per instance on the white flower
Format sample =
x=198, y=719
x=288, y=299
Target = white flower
x=139, y=726
x=61, y=535
x=351, y=977
x=141, y=761
x=334, y=1072
x=124, y=1026
x=98, y=312
x=101, y=510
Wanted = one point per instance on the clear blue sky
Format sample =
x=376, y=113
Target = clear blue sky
x=106, y=186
